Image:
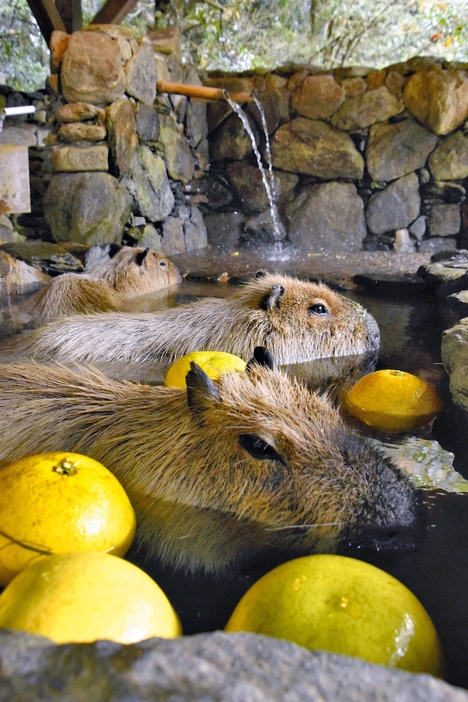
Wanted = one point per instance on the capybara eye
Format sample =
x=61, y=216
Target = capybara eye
x=318, y=309
x=162, y=264
x=258, y=448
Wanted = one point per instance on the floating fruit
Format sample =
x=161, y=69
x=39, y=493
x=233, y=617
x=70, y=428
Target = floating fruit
x=85, y=596
x=214, y=363
x=392, y=401
x=342, y=605
x=59, y=502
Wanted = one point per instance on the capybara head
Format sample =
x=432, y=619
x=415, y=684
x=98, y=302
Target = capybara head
x=134, y=271
x=220, y=472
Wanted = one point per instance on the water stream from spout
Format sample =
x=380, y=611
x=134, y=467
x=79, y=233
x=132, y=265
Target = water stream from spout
x=269, y=183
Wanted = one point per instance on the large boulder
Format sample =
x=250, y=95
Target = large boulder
x=438, y=98
x=92, y=69
x=395, y=150
x=363, y=110
x=123, y=139
x=91, y=208
x=217, y=666
x=149, y=186
x=395, y=207
x=318, y=97
x=315, y=148
x=327, y=217
x=449, y=161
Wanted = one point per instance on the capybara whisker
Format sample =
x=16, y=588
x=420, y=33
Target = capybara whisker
x=306, y=526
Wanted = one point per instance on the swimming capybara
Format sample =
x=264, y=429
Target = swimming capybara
x=221, y=471
x=128, y=273
x=296, y=320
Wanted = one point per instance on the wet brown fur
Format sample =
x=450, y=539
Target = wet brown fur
x=296, y=320
x=105, y=287
x=202, y=500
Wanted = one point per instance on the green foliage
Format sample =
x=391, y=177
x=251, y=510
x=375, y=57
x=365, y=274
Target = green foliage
x=23, y=52
x=237, y=35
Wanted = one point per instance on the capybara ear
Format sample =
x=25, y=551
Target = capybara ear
x=260, y=274
x=113, y=248
x=200, y=388
x=272, y=298
x=261, y=357
x=140, y=257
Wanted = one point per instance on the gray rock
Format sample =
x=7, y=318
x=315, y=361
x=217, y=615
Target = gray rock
x=150, y=186
x=204, y=668
x=315, y=148
x=231, y=140
x=444, y=220
x=147, y=123
x=49, y=258
x=395, y=207
x=395, y=150
x=173, y=240
x=178, y=156
x=248, y=185
x=141, y=73
x=327, y=217
x=123, y=139
x=437, y=244
x=449, y=161
x=261, y=229
x=90, y=208
x=213, y=190
x=369, y=108
x=444, y=192
x=224, y=229
x=275, y=105
x=195, y=230
x=18, y=277
x=418, y=228
x=151, y=238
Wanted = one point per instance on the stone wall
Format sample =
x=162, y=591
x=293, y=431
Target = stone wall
x=373, y=159
x=363, y=159
x=110, y=159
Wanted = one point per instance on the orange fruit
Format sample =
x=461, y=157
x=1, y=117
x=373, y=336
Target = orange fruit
x=342, y=605
x=58, y=502
x=392, y=401
x=85, y=596
x=214, y=363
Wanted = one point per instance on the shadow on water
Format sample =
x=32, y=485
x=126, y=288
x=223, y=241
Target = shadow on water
x=437, y=573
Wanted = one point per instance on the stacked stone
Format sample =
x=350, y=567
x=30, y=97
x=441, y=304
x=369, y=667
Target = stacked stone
x=373, y=159
x=121, y=155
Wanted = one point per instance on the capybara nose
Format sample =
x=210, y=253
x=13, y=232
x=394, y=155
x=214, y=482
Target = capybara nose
x=396, y=536
x=373, y=333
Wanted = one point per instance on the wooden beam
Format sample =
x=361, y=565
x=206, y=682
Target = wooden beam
x=114, y=11
x=71, y=13
x=47, y=16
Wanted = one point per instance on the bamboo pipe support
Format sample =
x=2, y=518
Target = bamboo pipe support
x=201, y=91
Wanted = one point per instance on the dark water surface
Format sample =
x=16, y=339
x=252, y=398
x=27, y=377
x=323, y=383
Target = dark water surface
x=437, y=573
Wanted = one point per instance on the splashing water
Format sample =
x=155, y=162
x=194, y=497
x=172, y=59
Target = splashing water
x=269, y=183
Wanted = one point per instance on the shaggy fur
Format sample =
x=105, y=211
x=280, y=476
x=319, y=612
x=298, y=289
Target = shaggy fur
x=217, y=473
x=296, y=320
x=129, y=273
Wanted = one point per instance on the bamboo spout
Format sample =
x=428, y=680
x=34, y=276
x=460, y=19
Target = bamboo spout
x=201, y=91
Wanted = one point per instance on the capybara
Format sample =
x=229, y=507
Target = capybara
x=296, y=320
x=221, y=471
x=128, y=273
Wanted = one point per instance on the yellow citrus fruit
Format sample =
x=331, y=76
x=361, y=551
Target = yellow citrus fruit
x=342, y=605
x=58, y=502
x=214, y=363
x=85, y=596
x=392, y=401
